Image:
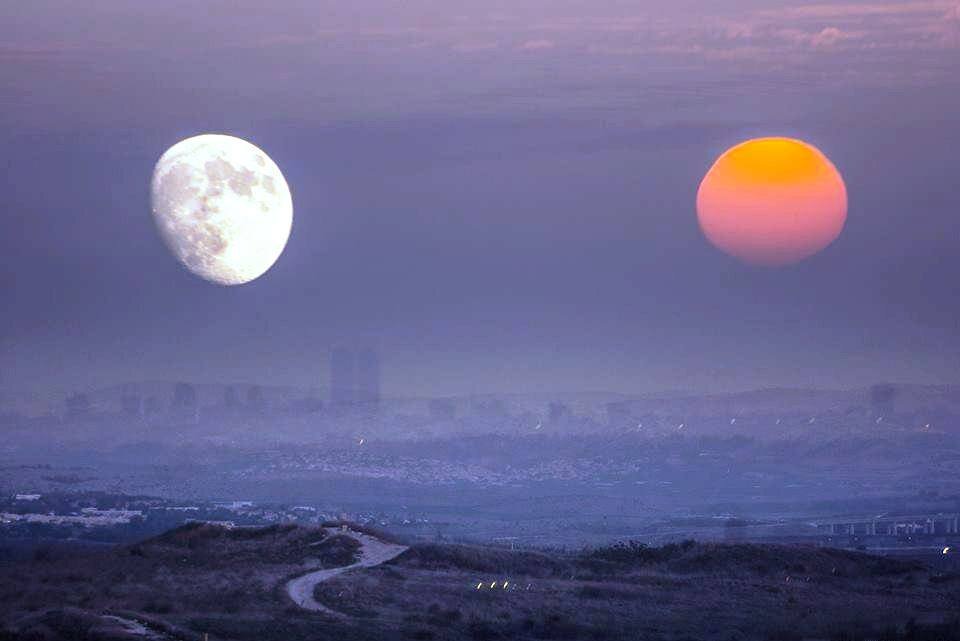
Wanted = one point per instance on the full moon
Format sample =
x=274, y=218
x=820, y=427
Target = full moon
x=222, y=207
x=772, y=201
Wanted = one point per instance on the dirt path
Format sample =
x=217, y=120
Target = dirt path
x=134, y=628
x=373, y=552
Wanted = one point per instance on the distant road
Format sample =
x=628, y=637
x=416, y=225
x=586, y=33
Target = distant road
x=373, y=552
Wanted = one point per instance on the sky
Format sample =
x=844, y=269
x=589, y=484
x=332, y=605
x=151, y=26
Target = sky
x=499, y=195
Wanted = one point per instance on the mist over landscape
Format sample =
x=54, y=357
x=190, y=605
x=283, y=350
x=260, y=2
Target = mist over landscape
x=529, y=362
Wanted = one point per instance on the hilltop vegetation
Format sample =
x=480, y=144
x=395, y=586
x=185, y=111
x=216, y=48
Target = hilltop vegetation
x=629, y=591
x=227, y=583
x=194, y=569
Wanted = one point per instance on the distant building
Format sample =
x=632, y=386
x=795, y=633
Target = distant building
x=309, y=405
x=234, y=505
x=367, y=376
x=883, y=397
x=489, y=408
x=256, y=401
x=152, y=406
x=184, y=396
x=78, y=406
x=230, y=399
x=343, y=375
x=185, y=406
x=443, y=409
x=620, y=414
x=558, y=413
x=354, y=377
x=131, y=403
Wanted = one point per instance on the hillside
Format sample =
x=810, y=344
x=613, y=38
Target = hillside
x=228, y=584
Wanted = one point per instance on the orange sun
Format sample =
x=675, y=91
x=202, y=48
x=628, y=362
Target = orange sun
x=772, y=201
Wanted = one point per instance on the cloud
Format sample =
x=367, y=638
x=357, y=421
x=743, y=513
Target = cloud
x=950, y=35
x=857, y=11
x=826, y=38
x=874, y=32
x=834, y=38
x=952, y=17
x=536, y=45
x=738, y=31
x=475, y=46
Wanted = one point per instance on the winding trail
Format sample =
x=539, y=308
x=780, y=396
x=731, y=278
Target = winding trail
x=373, y=552
x=134, y=628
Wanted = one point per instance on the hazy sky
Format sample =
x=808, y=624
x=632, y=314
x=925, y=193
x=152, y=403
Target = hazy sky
x=500, y=194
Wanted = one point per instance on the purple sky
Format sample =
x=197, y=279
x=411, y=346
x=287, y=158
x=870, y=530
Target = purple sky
x=499, y=193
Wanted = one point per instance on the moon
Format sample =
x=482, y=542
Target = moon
x=772, y=202
x=222, y=207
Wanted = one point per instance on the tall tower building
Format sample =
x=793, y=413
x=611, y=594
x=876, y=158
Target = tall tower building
x=368, y=376
x=343, y=376
x=354, y=376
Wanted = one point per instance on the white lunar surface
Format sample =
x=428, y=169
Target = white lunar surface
x=222, y=207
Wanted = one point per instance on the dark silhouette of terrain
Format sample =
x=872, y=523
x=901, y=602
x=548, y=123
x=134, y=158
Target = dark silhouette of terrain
x=203, y=579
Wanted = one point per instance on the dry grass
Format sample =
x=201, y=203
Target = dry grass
x=204, y=579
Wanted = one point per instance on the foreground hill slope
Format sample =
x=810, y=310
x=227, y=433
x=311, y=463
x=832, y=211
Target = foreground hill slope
x=230, y=584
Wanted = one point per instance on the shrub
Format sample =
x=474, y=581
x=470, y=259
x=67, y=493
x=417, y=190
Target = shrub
x=605, y=593
x=634, y=553
x=482, y=630
x=480, y=559
x=338, y=550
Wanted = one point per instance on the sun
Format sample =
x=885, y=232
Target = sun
x=772, y=201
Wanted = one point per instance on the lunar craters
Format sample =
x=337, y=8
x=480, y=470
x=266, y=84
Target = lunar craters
x=268, y=185
x=222, y=207
x=241, y=181
x=177, y=185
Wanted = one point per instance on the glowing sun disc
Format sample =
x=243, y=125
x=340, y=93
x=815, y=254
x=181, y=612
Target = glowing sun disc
x=772, y=201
